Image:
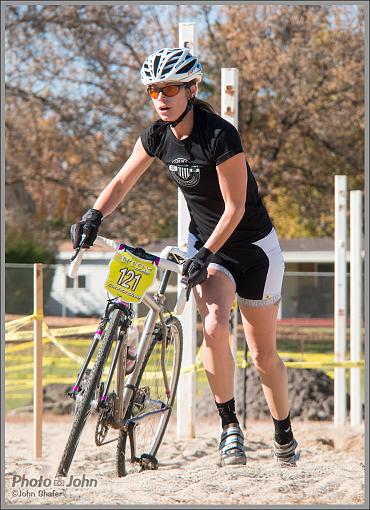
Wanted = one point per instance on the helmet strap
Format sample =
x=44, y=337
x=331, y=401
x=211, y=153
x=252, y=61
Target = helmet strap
x=187, y=109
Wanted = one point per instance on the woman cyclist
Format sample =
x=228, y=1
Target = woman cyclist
x=232, y=245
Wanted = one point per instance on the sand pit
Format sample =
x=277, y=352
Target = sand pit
x=330, y=470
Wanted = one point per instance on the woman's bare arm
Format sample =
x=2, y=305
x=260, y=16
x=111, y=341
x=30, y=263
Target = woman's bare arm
x=233, y=177
x=121, y=184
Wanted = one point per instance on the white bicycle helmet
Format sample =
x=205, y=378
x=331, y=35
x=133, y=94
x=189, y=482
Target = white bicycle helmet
x=171, y=64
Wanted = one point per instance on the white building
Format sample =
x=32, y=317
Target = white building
x=308, y=289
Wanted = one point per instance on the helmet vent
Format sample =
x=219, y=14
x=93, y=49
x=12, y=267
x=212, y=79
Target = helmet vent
x=167, y=68
x=187, y=67
x=156, y=63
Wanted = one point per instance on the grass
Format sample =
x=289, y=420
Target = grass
x=57, y=366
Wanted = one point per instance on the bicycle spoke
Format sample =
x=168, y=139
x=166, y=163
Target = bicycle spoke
x=152, y=403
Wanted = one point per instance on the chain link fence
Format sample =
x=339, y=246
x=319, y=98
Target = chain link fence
x=304, y=294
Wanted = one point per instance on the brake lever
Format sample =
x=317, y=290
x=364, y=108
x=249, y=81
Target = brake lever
x=188, y=290
x=79, y=247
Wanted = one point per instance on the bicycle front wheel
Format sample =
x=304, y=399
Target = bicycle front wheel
x=90, y=392
x=137, y=448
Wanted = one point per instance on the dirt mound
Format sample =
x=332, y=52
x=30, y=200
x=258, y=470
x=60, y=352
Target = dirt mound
x=56, y=400
x=311, y=395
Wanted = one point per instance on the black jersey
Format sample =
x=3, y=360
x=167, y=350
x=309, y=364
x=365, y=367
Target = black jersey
x=192, y=165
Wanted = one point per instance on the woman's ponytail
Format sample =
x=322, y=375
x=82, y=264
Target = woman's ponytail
x=199, y=103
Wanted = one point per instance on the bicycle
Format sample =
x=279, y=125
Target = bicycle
x=140, y=406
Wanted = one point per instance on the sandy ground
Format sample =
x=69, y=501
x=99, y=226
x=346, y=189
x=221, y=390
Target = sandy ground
x=330, y=469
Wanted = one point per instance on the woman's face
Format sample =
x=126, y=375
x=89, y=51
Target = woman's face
x=170, y=108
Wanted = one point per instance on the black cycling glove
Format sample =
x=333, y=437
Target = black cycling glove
x=194, y=270
x=89, y=225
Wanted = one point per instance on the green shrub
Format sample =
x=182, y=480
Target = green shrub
x=23, y=248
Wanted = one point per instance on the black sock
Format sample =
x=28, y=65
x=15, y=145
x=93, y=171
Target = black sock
x=226, y=411
x=283, y=430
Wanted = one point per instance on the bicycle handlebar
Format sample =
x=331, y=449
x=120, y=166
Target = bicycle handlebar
x=161, y=262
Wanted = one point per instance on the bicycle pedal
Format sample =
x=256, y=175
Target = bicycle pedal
x=148, y=462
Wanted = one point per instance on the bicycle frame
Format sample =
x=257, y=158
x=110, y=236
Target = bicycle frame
x=126, y=390
x=156, y=310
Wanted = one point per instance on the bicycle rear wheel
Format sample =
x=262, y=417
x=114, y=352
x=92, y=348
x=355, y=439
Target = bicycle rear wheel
x=90, y=392
x=136, y=450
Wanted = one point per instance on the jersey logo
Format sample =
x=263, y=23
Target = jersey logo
x=184, y=173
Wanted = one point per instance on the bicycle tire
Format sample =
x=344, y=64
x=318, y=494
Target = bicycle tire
x=84, y=408
x=123, y=442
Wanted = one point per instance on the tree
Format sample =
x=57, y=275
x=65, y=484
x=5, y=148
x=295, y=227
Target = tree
x=74, y=108
x=301, y=110
x=74, y=111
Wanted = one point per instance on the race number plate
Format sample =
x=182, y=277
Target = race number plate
x=130, y=276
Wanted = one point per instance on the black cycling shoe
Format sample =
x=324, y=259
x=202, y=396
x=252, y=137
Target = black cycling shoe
x=285, y=454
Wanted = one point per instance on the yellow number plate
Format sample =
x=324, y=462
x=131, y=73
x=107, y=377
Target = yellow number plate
x=130, y=276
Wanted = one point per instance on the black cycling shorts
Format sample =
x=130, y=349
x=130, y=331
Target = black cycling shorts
x=257, y=273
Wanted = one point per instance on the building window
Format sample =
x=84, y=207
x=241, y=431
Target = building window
x=81, y=282
x=69, y=283
x=76, y=283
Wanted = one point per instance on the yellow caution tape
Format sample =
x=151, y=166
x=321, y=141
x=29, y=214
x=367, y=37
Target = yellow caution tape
x=189, y=369
x=21, y=347
x=16, y=368
x=17, y=348
x=87, y=329
x=74, y=330
x=19, y=337
x=18, y=323
x=19, y=395
x=61, y=347
x=61, y=332
x=316, y=364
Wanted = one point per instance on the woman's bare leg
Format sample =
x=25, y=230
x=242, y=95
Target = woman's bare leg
x=259, y=325
x=214, y=299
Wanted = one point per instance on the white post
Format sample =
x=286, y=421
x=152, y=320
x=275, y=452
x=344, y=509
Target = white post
x=187, y=382
x=229, y=95
x=229, y=111
x=188, y=37
x=234, y=338
x=340, y=297
x=356, y=303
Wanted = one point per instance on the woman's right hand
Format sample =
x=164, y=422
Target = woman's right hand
x=89, y=225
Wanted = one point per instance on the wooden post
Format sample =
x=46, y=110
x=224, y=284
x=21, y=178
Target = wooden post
x=37, y=360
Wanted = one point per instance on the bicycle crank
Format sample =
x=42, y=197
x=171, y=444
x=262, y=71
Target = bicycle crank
x=105, y=420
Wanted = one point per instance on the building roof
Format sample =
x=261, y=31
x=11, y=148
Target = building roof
x=308, y=244
x=294, y=250
x=305, y=244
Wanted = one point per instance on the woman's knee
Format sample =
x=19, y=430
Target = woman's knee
x=264, y=361
x=215, y=329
